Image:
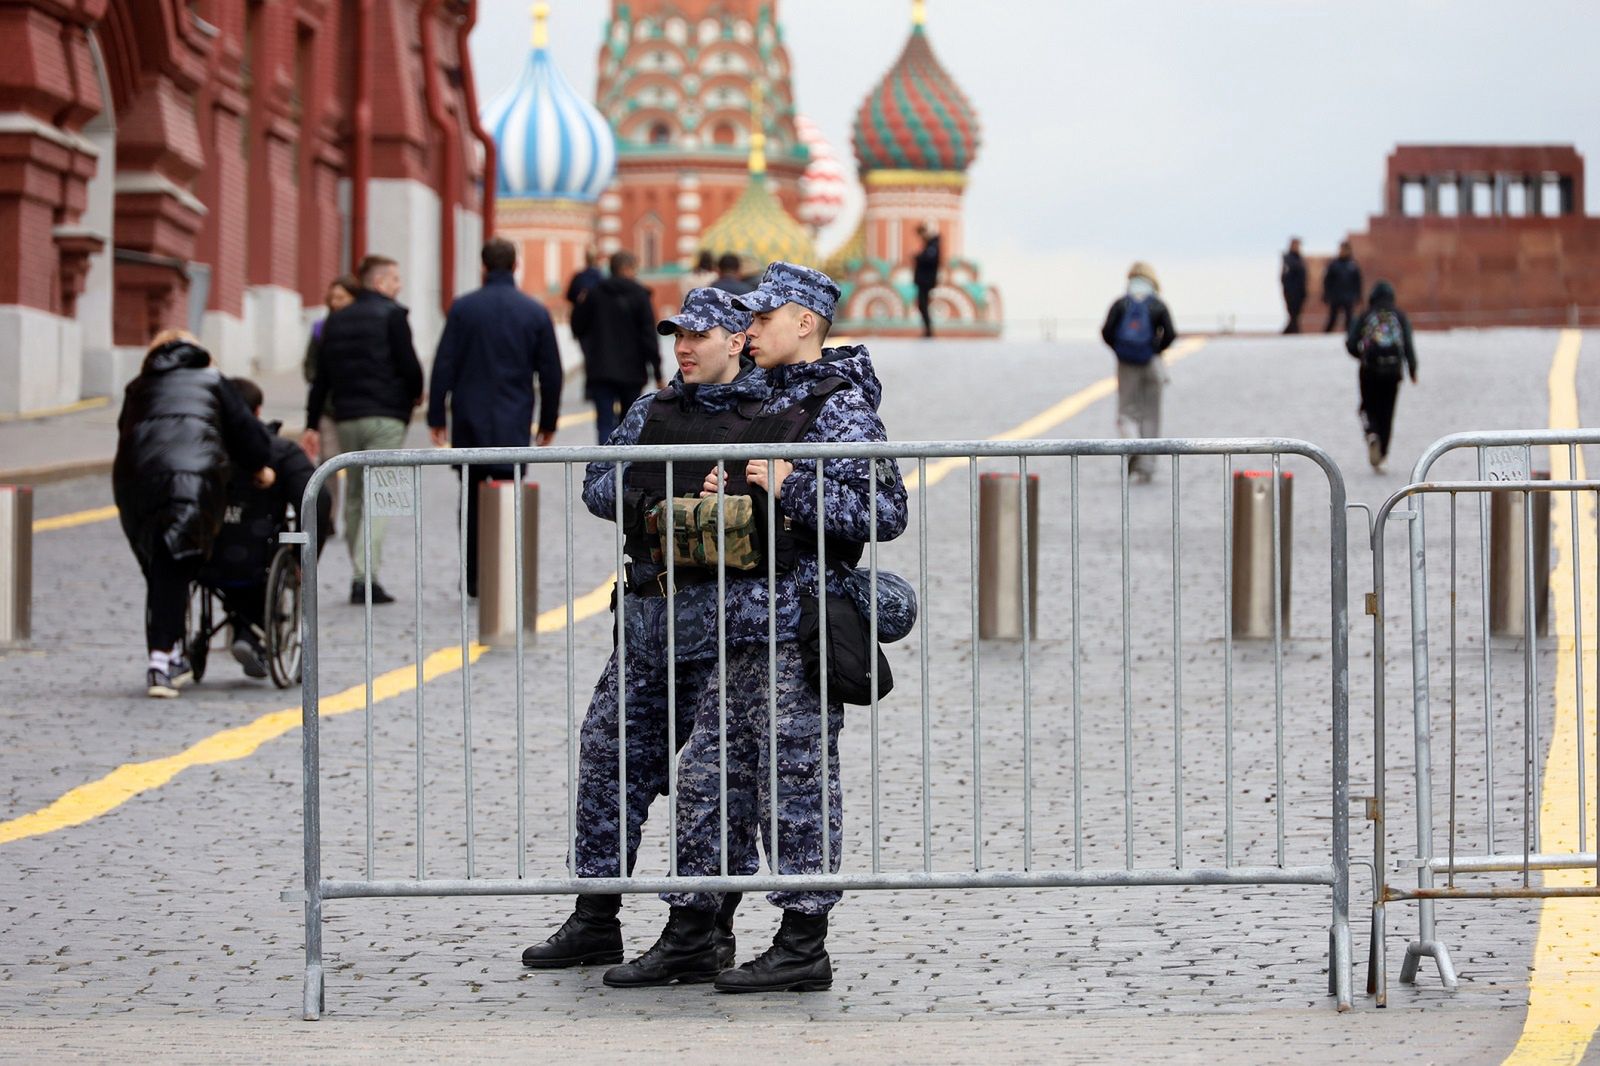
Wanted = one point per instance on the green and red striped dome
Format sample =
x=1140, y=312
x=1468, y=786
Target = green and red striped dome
x=917, y=118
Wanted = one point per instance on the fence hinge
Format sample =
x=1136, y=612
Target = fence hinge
x=1372, y=603
x=292, y=537
x=293, y=895
x=1371, y=803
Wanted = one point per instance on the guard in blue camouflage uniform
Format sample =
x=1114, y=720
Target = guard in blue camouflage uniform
x=716, y=392
x=793, y=311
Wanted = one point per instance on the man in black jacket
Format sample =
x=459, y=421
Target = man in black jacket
x=1138, y=329
x=1293, y=279
x=1341, y=287
x=369, y=367
x=495, y=342
x=925, y=274
x=616, y=325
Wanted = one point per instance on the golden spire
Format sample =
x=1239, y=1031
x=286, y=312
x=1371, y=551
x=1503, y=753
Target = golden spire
x=541, y=25
x=919, y=12
x=758, y=133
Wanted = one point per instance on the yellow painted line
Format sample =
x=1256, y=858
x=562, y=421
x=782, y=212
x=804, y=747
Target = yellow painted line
x=1564, y=987
x=76, y=518
x=577, y=418
x=66, y=409
x=1053, y=416
x=90, y=801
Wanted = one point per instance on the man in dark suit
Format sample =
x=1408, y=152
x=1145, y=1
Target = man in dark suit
x=496, y=341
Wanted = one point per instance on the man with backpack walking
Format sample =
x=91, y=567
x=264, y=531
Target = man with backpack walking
x=1138, y=329
x=1381, y=340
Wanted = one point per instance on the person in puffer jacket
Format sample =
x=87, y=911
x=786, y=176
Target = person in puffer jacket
x=793, y=312
x=181, y=432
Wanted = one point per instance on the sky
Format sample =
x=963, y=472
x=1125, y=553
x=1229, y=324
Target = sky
x=1195, y=134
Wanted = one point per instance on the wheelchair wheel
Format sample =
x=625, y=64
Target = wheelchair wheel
x=197, y=624
x=282, y=623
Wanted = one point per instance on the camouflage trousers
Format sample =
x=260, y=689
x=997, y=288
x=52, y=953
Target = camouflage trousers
x=598, y=848
x=750, y=743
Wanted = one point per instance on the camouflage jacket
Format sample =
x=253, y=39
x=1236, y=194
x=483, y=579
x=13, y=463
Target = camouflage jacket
x=694, y=606
x=850, y=414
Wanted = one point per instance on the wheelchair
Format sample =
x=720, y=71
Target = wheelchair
x=207, y=616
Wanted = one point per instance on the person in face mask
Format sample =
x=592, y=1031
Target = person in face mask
x=1138, y=329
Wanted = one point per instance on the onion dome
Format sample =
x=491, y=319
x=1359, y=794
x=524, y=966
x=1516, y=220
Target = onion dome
x=757, y=227
x=917, y=118
x=550, y=143
x=822, y=186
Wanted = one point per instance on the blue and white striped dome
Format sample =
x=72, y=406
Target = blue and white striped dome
x=550, y=143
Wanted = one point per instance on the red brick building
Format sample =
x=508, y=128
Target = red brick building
x=212, y=164
x=1482, y=235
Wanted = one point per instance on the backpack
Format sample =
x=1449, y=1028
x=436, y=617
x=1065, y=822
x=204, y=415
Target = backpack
x=1135, y=338
x=1383, y=343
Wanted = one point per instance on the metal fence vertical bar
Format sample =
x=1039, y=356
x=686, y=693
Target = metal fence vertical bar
x=622, y=676
x=572, y=749
x=519, y=476
x=1278, y=803
x=924, y=636
x=823, y=640
x=1450, y=839
x=1127, y=675
x=466, y=682
x=1177, y=668
x=366, y=555
x=416, y=528
x=977, y=655
x=1577, y=651
x=1488, y=658
x=773, y=848
x=1227, y=659
x=668, y=554
x=1077, y=680
x=722, y=662
x=1027, y=663
x=872, y=629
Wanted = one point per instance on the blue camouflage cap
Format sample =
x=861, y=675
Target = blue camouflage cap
x=785, y=283
x=704, y=310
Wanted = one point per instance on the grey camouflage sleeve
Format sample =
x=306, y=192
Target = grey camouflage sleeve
x=847, y=483
x=600, y=479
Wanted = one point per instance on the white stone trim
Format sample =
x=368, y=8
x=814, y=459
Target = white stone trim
x=22, y=122
x=136, y=182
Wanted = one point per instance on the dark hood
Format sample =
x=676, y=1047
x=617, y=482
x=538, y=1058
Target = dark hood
x=1382, y=295
x=175, y=355
x=751, y=384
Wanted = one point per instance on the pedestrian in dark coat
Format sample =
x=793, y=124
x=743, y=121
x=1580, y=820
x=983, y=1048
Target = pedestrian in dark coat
x=496, y=341
x=1292, y=277
x=1138, y=329
x=181, y=431
x=616, y=325
x=1381, y=340
x=925, y=274
x=1341, y=287
x=729, y=279
x=368, y=367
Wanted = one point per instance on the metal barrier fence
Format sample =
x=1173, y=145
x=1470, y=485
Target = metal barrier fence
x=1478, y=803
x=1238, y=718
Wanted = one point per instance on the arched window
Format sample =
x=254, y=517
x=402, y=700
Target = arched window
x=660, y=133
x=725, y=135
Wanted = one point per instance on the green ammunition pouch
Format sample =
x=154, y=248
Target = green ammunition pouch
x=692, y=533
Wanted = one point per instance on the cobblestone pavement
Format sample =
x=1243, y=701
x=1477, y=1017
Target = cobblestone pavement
x=167, y=908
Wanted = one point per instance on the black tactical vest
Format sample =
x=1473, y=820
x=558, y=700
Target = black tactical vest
x=645, y=483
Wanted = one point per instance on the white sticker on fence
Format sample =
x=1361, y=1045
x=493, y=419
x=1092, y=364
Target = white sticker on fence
x=391, y=491
x=1506, y=463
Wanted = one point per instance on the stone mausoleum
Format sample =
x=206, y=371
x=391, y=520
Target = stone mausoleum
x=212, y=164
x=1486, y=235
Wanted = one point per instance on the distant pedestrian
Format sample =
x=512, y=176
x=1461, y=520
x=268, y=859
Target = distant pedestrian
x=369, y=368
x=496, y=341
x=182, y=430
x=341, y=294
x=1381, y=340
x=585, y=279
x=1293, y=279
x=242, y=553
x=925, y=273
x=616, y=325
x=730, y=276
x=1341, y=287
x=1138, y=329
x=703, y=274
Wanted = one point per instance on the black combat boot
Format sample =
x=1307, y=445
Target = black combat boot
x=796, y=961
x=686, y=952
x=727, y=946
x=592, y=936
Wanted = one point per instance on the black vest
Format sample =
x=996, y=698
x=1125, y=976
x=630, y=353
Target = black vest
x=669, y=422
